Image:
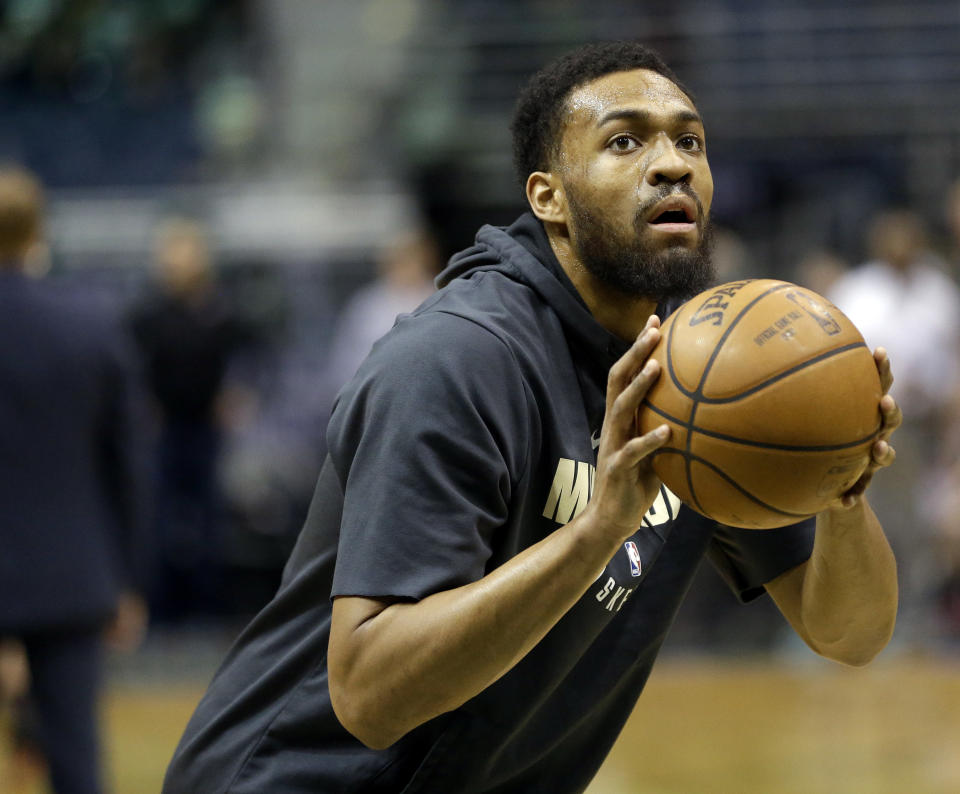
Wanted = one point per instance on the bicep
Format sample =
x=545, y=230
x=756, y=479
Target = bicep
x=346, y=644
x=350, y=614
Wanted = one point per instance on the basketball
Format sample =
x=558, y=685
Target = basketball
x=772, y=397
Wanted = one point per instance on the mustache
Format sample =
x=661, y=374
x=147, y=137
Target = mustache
x=665, y=191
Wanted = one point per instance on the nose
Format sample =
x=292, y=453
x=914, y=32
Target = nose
x=667, y=164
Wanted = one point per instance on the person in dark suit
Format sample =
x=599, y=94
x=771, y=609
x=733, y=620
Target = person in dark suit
x=69, y=485
x=187, y=333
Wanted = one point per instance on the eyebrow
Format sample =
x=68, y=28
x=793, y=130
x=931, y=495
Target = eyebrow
x=644, y=117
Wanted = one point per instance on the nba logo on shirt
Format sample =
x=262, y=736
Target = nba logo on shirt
x=633, y=554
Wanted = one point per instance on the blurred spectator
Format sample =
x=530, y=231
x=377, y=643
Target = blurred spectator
x=71, y=534
x=819, y=270
x=904, y=300
x=943, y=488
x=731, y=257
x=942, y=509
x=406, y=271
x=187, y=333
x=953, y=221
x=101, y=92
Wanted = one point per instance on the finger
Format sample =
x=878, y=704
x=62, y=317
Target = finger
x=882, y=360
x=891, y=415
x=859, y=488
x=626, y=367
x=849, y=499
x=623, y=415
x=883, y=454
x=639, y=447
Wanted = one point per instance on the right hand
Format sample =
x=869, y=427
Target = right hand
x=626, y=485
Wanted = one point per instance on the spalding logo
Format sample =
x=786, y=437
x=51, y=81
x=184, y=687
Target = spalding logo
x=711, y=310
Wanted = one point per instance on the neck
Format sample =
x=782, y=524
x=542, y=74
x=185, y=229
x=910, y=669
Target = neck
x=622, y=315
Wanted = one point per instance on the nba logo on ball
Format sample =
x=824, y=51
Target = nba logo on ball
x=633, y=554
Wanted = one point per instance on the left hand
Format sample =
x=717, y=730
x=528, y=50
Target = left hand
x=126, y=630
x=882, y=453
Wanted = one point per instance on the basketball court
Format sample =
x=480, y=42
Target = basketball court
x=703, y=726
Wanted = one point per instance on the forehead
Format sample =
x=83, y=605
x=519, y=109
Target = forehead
x=638, y=89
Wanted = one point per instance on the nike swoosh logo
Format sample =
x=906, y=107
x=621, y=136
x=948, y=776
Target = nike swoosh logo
x=595, y=440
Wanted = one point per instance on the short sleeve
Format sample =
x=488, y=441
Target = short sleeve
x=749, y=558
x=427, y=440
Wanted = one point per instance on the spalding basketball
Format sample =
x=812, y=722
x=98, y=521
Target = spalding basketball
x=772, y=397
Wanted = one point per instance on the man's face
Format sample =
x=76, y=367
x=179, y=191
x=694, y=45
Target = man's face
x=637, y=185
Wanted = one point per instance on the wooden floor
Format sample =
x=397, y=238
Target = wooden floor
x=714, y=728
x=701, y=727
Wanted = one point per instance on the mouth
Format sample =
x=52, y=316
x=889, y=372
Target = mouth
x=674, y=215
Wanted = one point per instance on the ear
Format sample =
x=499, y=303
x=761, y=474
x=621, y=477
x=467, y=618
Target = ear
x=546, y=197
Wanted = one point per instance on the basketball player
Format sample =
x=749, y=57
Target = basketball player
x=489, y=566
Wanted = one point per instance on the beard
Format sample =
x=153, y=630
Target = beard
x=632, y=264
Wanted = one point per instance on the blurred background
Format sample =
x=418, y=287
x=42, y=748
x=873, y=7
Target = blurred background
x=255, y=188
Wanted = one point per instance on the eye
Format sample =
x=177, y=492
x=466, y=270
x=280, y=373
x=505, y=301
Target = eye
x=623, y=143
x=690, y=143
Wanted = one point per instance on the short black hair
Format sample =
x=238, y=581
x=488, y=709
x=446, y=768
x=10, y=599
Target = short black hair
x=537, y=118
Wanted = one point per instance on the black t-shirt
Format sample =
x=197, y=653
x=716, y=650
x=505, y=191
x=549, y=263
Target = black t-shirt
x=468, y=435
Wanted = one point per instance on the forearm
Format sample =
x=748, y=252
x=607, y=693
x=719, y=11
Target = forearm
x=411, y=662
x=848, y=602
